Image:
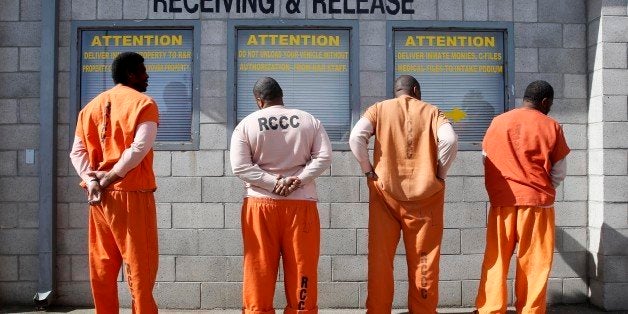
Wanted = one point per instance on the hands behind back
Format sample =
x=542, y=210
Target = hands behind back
x=101, y=179
x=285, y=186
x=93, y=188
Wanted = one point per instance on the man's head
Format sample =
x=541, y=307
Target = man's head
x=128, y=69
x=267, y=92
x=407, y=85
x=539, y=95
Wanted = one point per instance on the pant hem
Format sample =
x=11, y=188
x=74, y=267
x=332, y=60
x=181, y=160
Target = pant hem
x=246, y=311
x=293, y=311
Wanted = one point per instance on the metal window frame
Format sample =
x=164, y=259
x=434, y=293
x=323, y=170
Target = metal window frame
x=75, y=87
x=233, y=26
x=48, y=103
x=507, y=28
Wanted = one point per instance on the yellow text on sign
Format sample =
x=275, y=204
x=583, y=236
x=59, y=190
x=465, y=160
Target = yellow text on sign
x=137, y=40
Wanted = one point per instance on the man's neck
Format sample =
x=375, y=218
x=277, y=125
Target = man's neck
x=272, y=104
x=404, y=93
x=529, y=105
x=129, y=86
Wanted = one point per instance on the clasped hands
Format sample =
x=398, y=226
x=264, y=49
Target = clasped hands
x=287, y=185
x=99, y=180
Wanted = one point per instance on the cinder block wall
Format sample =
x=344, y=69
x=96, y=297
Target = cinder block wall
x=199, y=198
x=608, y=166
x=20, y=37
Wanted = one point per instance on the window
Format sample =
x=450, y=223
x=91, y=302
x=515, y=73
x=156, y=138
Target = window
x=463, y=69
x=171, y=61
x=313, y=65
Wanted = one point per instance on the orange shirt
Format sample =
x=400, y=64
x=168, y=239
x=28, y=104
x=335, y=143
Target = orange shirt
x=107, y=127
x=521, y=146
x=406, y=147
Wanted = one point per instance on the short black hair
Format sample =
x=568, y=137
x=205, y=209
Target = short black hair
x=123, y=64
x=267, y=89
x=537, y=90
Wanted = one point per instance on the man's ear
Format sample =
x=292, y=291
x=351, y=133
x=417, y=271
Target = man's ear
x=259, y=102
x=417, y=92
x=546, y=105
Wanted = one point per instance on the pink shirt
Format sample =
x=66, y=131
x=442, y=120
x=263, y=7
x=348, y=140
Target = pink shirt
x=279, y=141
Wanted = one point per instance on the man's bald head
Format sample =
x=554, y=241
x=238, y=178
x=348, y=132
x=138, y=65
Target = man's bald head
x=267, y=89
x=407, y=85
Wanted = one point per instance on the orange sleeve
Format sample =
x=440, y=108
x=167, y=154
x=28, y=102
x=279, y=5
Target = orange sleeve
x=148, y=113
x=440, y=119
x=561, y=149
x=79, y=125
x=371, y=115
x=486, y=141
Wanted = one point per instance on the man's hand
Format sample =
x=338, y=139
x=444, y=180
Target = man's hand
x=105, y=178
x=109, y=178
x=285, y=186
x=93, y=192
x=371, y=175
x=294, y=183
x=97, y=174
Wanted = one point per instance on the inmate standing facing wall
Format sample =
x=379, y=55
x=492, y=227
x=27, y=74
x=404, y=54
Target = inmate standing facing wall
x=414, y=147
x=112, y=153
x=279, y=152
x=524, y=162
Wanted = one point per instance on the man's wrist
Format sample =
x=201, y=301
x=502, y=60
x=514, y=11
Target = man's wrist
x=108, y=178
x=370, y=174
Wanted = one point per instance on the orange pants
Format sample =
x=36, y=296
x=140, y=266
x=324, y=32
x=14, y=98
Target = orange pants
x=533, y=229
x=271, y=228
x=422, y=226
x=123, y=227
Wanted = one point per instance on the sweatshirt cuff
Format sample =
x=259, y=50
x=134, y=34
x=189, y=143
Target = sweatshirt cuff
x=268, y=182
x=366, y=166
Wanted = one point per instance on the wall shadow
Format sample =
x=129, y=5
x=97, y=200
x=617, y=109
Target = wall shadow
x=611, y=243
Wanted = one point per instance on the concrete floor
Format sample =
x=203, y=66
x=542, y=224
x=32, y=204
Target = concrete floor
x=556, y=309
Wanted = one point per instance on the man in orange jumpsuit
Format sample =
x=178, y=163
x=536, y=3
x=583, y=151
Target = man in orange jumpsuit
x=524, y=161
x=414, y=147
x=278, y=152
x=112, y=153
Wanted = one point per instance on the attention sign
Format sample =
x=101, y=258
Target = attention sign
x=461, y=72
x=312, y=67
x=168, y=56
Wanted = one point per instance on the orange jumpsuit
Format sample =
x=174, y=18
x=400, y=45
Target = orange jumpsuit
x=123, y=227
x=522, y=149
x=278, y=141
x=407, y=196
